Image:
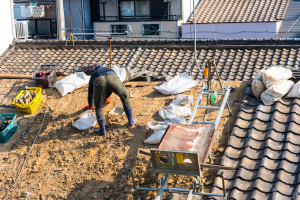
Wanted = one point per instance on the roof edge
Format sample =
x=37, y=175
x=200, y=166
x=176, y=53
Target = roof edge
x=182, y=43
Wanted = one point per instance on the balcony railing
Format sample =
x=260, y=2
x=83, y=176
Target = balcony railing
x=132, y=18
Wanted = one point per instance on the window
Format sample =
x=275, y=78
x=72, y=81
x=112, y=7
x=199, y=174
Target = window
x=142, y=8
x=138, y=8
x=150, y=29
x=118, y=28
x=127, y=8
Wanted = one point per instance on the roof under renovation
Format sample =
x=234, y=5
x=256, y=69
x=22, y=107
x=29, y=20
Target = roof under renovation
x=224, y=11
x=264, y=148
x=236, y=60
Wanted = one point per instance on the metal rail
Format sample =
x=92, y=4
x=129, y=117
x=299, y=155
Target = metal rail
x=191, y=192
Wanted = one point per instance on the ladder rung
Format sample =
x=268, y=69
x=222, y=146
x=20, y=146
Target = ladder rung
x=209, y=107
x=204, y=122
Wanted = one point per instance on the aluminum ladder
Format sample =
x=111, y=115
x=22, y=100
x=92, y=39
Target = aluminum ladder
x=204, y=91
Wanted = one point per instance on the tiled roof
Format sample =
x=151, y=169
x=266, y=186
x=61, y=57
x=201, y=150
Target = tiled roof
x=222, y=11
x=264, y=147
x=233, y=63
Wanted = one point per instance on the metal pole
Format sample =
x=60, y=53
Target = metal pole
x=223, y=183
x=83, y=19
x=191, y=194
x=161, y=190
x=110, y=50
x=214, y=64
x=71, y=34
x=195, y=57
x=61, y=21
x=223, y=106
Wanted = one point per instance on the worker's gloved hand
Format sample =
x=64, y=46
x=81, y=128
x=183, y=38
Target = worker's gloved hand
x=107, y=100
x=88, y=107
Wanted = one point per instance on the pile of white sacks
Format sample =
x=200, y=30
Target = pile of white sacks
x=271, y=84
x=176, y=112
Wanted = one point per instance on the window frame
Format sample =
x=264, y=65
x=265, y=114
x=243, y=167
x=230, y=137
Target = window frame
x=156, y=33
x=111, y=28
x=130, y=17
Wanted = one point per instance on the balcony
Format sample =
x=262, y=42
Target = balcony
x=132, y=18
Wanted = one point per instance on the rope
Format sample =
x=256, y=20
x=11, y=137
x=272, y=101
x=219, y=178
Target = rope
x=291, y=27
x=30, y=148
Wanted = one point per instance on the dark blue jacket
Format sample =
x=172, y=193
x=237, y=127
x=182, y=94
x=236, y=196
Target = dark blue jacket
x=99, y=69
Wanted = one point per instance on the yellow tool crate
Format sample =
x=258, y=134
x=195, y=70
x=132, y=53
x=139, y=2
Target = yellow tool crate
x=31, y=107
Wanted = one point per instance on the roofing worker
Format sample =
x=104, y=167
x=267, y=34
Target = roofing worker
x=102, y=83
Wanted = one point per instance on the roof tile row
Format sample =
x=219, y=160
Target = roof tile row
x=222, y=11
x=265, y=150
x=233, y=64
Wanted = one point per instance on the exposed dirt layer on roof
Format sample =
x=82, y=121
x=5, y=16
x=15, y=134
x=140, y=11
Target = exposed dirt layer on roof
x=66, y=163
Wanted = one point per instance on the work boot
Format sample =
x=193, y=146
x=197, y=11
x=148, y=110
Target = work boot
x=101, y=130
x=129, y=115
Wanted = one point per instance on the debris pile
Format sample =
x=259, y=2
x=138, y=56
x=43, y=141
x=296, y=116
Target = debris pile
x=272, y=84
x=3, y=125
x=27, y=97
x=174, y=113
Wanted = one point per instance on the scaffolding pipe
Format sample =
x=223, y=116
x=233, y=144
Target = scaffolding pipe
x=110, y=51
x=195, y=57
x=61, y=21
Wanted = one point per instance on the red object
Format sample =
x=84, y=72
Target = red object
x=43, y=74
x=88, y=107
x=107, y=100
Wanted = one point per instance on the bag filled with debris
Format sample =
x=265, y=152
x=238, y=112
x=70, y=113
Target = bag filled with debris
x=275, y=75
x=72, y=82
x=179, y=84
x=121, y=72
x=295, y=91
x=179, y=107
x=257, y=85
x=275, y=92
x=87, y=120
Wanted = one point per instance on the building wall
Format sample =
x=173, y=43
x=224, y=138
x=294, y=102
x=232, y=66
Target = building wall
x=187, y=9
x=111, y=9
x=175, y=7
x=76, y=17
x=6, y=24
x=138, y=29
x=231, y=30
x=278, y=27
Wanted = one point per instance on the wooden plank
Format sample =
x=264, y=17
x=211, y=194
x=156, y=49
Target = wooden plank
x=15, y=76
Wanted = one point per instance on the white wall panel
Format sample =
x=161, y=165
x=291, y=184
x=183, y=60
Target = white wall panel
x=231, y=30
x=6, y=35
